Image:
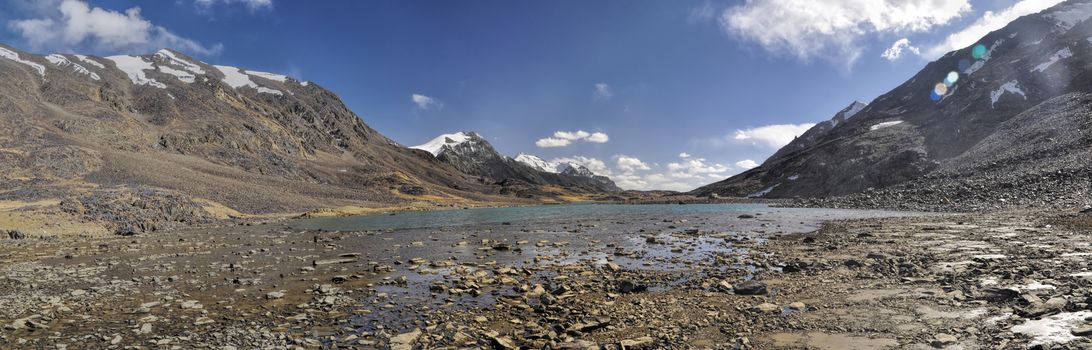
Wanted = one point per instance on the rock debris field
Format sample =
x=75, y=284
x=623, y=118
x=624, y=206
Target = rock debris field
x=773, y=278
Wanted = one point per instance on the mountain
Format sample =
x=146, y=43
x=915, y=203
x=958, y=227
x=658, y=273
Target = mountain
x=142, y=143
x=473, y=155
x=1003, y=116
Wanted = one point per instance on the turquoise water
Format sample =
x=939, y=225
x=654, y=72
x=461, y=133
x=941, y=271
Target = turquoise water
x=443, y=218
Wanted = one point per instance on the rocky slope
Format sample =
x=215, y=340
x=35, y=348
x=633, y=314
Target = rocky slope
x=473, y=155
x=143, y=143
x=951, y=125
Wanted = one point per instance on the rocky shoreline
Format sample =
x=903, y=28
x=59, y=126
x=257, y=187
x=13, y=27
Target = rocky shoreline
x=756, y=281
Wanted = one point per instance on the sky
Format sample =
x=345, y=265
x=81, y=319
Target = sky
x=655, y=94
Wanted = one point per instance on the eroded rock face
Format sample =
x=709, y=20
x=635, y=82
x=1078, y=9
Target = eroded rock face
x=908, y=136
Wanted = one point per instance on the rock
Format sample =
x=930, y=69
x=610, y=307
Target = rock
x=798, y=306
x=943, y=339
x=627, y=286
x=613, y=267
x=190, y=304
x=746, y=216
x=998, y=295
x=750, y=288
x=503, y=343
x=725, y=286
x=766, y=308
x=405, y=341
x=589, y=325
x=77, y=292
x=644, y=342
x=15, y=234
x=1082, y=331
x=274, y=295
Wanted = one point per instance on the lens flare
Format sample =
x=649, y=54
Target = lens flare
x=933, y=95
x=951, y=79
x=940, y=89
x=978, y=51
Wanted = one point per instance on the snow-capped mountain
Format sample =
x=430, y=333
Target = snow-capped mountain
x=934, y=127
x=472, y=154
x=179, y=135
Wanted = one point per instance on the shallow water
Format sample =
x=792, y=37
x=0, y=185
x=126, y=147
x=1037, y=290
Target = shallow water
x=480, y=216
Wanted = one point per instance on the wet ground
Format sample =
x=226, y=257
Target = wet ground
x=764, y=278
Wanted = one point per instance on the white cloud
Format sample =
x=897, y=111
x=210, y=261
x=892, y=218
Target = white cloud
x=565, y=138
x=684, y=155
x=630, y=164
x=602, y=92
x=425, y=103
x=693, y=168
x=703, y=13
x=831, y=29
x=773, y=136
x=572, y=135
x=895, y=51
x=990, y=21
x=252, y=5
x=746, y=164
x=632, y=173
x=74, y=25
x=551, y=142
x=598, y=137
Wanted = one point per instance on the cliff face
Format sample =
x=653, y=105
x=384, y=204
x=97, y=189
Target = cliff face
x=938, y=117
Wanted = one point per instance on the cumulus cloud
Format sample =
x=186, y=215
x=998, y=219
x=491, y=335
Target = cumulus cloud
x=602, y=92
x=895, y=51
x=990, y=21
x=252, y=5
x=630, y=164
x=632, y=173
x=772, y=136
x=746, y=164
x=684, y=155
x=565, y=138
x=598, y=137
x=551, y=142
x=426, y=103
x=76, y=26
x=831, y=29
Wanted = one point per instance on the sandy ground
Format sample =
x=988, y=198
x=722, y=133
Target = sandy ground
x=769, y=280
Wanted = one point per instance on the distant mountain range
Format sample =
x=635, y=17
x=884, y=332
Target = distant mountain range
x=142, y=143
x=1002, y=121
x=472, y=154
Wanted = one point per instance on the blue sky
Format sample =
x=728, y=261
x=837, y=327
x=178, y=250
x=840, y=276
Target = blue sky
x=677, y=93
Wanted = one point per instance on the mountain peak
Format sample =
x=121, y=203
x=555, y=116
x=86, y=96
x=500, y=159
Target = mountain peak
x=437, y=145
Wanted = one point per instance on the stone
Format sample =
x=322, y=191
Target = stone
x=798, y=306
x=644, y=342
x=274, y=295
x=750, y=288
x=405, y=341
x=627, y=286
x=943, y=339
x=766, y=308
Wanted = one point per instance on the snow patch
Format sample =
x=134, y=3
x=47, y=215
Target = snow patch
x=1055, y=329
x=1057, y=56
x=90, y=61
x=985, y=57
x=270, y=76
x=61, y=61
x=794, y=177
x=235, y=78
x=187, y=65
x=182, y=75
x=1034, y=285
x=1071, y=15
x=12, y=55
x=134, y=67
x=884, y=125
x=436, y=145
x=763, y=192
x=1011, y=86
